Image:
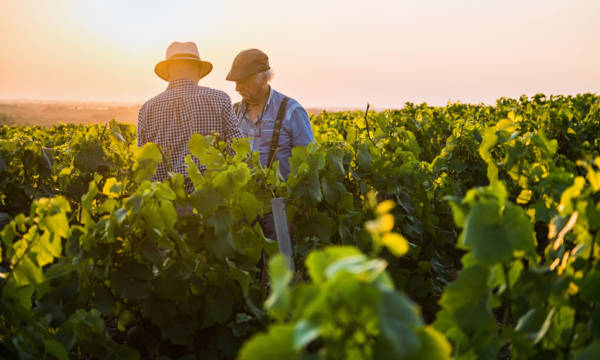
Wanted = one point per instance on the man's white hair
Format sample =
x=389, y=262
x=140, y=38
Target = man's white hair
x=269, y=75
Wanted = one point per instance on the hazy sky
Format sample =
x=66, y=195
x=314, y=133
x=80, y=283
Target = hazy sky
x=324, y=53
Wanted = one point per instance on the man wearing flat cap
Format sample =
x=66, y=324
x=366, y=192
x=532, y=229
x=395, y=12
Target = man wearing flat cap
x=275, y=122
x=184, y=108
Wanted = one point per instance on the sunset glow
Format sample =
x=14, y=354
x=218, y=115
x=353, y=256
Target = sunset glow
x=324, y=53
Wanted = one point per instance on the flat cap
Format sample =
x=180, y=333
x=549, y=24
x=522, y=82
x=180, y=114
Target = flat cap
x=247, y=63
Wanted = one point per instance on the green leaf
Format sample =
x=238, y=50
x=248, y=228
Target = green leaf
x=241, y=276
x=103, y=300
x=351, y=135
x=369, y=270
x=221, y=245
x=123, y=352
x=115, y=131
x=590, y=289
x=168, y=213
x=57, y=224
x=250, y=205
x=112, y=187
x=20, y=294
x=146, y=160
x=56, y=349
x=434, y=346
x=484, y=234
x=199, y=144
x=46, y=160
x=88, y=198
x=206, y=200
x=132, y=280
x=489, y=140
x=318, y=260
x=494, y=235
x=91, y=158
x=304, y=333
x=48, y=247
x=27, y=272
x=571, y=193
x=125, y=318
x=335, y=161
x=228, y=182
x=277, y=344
x=519, y=229
x=219, y=307
x=398, y=319
x=535, y=324
x=278, y=301
x=120, y=215
x=242, y=149
x=365, y=160
x=465, y=302
x=591, y=352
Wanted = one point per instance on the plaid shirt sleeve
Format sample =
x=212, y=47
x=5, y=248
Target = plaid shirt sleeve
x=231, y=125
x=141, y=126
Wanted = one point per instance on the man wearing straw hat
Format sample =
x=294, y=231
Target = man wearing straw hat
x=184, y=108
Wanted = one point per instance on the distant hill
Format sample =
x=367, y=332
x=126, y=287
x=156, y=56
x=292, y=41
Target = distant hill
x=46, y=113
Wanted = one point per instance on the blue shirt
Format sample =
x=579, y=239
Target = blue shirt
x=295, y=130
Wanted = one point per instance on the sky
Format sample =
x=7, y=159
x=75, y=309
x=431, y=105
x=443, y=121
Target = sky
x=323, y=52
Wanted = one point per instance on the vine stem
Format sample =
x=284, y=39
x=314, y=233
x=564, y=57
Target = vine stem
x=367, y=125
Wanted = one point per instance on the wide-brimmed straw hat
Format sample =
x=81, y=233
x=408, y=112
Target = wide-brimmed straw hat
x=182, y=51
x=247, y=63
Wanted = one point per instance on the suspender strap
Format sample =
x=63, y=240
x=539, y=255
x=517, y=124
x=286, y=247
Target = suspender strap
x=277, y=130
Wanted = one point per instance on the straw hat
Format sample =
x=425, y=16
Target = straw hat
x=182, y=51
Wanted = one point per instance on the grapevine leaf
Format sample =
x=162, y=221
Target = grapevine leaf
x=147, y=159
x=116, y=131
x=27, y=272
x=279, y=300
x=335, y=162
x=590, y=289
x=241, y=276
x=434, y=346
x=304, y=333
x=250, y=205
x=365, y=160
x=318, y=261
x=56, y=349
x=591, y=352
x=277, y=344
x=206, y=200
x=57, y=224
x=485, y=235
x=398, y=319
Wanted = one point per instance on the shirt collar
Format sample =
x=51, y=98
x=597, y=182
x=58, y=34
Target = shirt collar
x=180, y=83
x=267, y=104
x=270, y=96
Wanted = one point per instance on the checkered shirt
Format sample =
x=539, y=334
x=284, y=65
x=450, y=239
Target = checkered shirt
x=170, y=118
